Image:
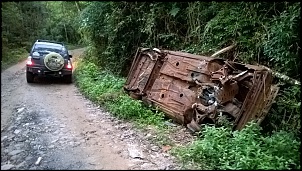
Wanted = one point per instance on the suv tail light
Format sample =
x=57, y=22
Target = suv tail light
x=69, y=66
x=29, y=61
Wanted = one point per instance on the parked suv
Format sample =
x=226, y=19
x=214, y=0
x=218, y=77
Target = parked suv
x=49, y=58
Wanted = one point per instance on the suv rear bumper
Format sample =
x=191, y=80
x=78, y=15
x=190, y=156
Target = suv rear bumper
x=46, y=72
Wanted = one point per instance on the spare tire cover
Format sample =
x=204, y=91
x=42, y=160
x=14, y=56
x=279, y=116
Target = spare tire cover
x=54, y=61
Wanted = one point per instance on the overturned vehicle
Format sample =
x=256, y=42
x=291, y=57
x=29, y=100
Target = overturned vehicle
x=195, y=90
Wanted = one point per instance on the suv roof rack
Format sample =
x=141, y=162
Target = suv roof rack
x=49, y=41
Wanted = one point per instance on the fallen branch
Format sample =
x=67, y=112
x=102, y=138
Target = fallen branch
x=283, y=77
x=223, y=50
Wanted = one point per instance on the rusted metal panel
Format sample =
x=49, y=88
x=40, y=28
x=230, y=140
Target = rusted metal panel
x=194, y=89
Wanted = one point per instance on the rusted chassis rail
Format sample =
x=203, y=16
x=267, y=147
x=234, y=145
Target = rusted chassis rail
x=194, y=90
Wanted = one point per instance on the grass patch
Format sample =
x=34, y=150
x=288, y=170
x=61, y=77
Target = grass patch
x=221, y=148
x=72, y=46
x=12, y=56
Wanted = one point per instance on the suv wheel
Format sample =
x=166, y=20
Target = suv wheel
x=29, y=77
x=68, y=78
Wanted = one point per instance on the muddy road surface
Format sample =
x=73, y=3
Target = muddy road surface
x=50, y=125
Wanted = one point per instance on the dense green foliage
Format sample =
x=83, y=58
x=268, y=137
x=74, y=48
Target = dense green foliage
x=221, y=148
x=285, y=114
x=266, y=32
x=26, y=21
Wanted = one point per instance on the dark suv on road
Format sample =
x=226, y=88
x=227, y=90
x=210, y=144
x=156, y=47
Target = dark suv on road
x=49, y=58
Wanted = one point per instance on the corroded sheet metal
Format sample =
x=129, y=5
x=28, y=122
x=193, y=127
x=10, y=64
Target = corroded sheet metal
x=195, y=90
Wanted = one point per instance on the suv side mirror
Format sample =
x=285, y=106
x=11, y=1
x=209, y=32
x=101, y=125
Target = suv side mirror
x=70, y=56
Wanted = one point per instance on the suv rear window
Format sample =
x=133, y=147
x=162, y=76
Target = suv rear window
x=49, y=47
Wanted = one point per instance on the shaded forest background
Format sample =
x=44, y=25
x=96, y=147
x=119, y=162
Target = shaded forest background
x=265, y=33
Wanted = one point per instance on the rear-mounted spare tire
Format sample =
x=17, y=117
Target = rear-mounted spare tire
x=54, y=61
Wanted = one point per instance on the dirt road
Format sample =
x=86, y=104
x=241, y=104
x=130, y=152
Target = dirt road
x=50, y=125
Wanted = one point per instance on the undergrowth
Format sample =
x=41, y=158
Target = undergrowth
x=222, y=148
x=12, y=56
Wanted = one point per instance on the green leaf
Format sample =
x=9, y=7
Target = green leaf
x=174, y=11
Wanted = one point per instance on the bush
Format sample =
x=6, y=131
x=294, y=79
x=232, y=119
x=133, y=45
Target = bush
x=221, y=148
x=12, y=56
x=285, y=113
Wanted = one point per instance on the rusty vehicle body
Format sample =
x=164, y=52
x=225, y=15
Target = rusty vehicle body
x=194, y=90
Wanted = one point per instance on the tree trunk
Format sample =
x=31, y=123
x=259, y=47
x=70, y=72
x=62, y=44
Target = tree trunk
x=78, y=6
x=283, y=77
x=223, y=50
x=66, y=35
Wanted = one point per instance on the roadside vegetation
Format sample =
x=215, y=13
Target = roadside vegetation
x=248, y=149
x=264, y=33
x=12, y=56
